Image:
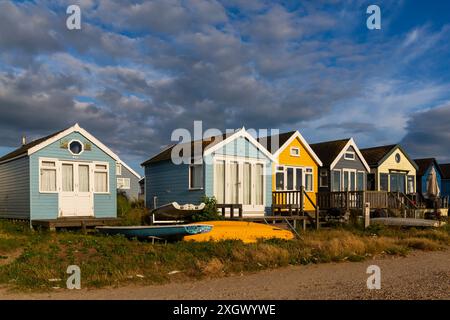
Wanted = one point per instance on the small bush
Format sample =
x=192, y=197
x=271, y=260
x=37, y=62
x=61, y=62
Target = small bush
x=209, y=213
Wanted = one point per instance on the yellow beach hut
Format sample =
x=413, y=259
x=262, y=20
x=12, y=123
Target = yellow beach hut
x=296, y=168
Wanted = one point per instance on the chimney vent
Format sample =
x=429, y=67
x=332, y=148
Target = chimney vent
x=24, y=140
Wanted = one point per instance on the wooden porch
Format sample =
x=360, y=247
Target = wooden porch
x=76, y=222
x=292, y=204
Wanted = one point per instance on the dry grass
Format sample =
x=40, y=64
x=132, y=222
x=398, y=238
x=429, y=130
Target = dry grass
x=105, y=261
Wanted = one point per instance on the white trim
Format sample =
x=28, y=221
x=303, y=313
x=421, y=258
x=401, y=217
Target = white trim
x=108, y=177
x=293, y=154
x=118, y=169
x=75, y=128
x=304, y=173
x=122, y=185
x=238, y=134
x=352, y=143
x=56, y=168
x=352, y=158
x=72, y=141
x=295, y=135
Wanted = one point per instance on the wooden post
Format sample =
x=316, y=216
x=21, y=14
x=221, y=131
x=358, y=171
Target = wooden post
x=317, y=218
x=240, y=211
x=366, y=215
x=302, y=199
x=232, y=211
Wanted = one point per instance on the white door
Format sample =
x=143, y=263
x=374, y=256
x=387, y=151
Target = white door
x=76, y=198
x=240, y=182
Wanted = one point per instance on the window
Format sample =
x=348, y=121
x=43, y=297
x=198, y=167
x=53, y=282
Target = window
x=360, y=181
x=279, y=178
x=196, y=176
x=323, y=178
x=295, y=152
x=349, y=155
x=411, y=184
x=290, y=179
x=48, y=176
x=118, y=169
x=398, y=158
x=384, y=182
x=309, y=180
x=75, y=147
x=101, y=184
x=397, y=182
x=123, y=183
x=336, y=181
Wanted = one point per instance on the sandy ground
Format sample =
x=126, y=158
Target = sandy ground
x=421, y=275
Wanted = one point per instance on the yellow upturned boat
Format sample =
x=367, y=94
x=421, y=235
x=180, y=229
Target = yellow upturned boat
x=248, y=232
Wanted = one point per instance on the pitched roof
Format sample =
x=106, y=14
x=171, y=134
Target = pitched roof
x=166, y=154
x=424, y=164
x=328, y=151
x=445, y=169
x=374, y=155
x=23, y=150
x=280, y=140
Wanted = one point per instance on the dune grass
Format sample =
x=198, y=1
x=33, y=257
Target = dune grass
x=41, y=256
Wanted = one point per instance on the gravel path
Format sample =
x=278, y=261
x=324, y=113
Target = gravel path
x=421, y=275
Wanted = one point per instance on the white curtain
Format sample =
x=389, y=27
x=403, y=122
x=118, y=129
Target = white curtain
x=247, y=183
x=101, y=182
x=67, y=178
x=83, y=176
x=48, y=180
x=219, y=181
x=259, y=182
x=233, y=179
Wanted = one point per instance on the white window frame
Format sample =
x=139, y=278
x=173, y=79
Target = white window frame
x=49, y=168
x=304, y=172
x=324, y=175
x=295, y=154
x=350, y=171
x=124, y=184
x=190, y=178
x=353, y=158
x=108, y=177
x=82, y=147
x=118, y=169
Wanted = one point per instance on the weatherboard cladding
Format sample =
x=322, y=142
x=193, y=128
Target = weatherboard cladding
x=15, y=189
x=133, y=192
x=170, y=182
x=329, y=151
x=45, y=205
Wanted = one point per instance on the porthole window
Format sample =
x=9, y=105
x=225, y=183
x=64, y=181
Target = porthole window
x=398, y=158
x=75, y=147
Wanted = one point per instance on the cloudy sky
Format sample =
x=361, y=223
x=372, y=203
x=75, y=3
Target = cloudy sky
x=137, y=70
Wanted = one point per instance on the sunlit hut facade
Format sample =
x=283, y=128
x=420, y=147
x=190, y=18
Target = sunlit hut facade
x=391, y=169
x=296, y=164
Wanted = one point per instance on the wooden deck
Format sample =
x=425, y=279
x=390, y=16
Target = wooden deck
x=78, y=222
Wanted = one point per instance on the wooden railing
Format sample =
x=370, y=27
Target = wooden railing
x=293, y=203
x=353, y=199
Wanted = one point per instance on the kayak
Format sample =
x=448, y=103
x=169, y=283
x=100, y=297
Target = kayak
x=248, y=232
x=176, y=211
x=165, y=232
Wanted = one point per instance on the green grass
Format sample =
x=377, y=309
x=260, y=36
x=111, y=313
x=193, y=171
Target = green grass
x=110, y=261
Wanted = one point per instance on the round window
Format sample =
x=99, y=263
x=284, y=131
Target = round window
x=398, y=158
x=76, y=147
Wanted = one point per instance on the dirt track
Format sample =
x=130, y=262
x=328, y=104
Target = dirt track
x=421, y=275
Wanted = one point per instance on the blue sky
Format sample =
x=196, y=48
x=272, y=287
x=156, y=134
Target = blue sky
x=138, y=70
